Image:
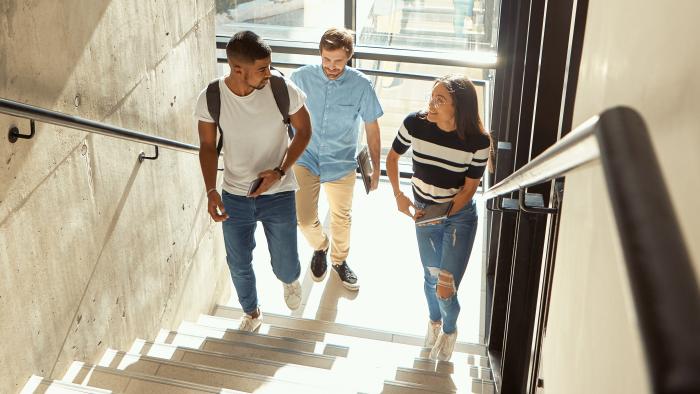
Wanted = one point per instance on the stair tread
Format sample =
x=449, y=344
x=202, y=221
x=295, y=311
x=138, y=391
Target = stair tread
x=373, y=372
x=455, y=376
x=222, y=311
x=224, y=333
x=95, y=373
x=365, y=350
x=292, y=375
x=407, y=387
x=40, y=385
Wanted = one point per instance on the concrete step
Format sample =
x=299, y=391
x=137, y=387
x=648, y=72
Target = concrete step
x=39, y=385
x=232, y=362
x=325, y=327
x=474, y=372
x=277, y=331
x=246, y=349
x=365, y=378
x=443, y=381
x=278, y=370
x=362, y=349
x=120, y=381
x=262, y=338
x=314, y=380
x=394, y=387
x=362, y=375
x=265, y=328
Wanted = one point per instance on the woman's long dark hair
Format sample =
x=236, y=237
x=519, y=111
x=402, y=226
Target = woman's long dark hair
x=466, y=106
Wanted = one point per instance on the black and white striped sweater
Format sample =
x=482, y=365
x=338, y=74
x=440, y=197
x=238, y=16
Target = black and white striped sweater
x=441, y=160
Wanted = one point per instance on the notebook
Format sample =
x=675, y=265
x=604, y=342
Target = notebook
x=435, y=212
x=365, y=166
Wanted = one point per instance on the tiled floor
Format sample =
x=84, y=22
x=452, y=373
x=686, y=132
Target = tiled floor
x=384, y=255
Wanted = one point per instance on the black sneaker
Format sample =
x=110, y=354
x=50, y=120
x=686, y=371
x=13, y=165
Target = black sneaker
x=319, y=265
x=346, y=275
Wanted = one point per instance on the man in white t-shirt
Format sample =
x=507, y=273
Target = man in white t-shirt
x=255, y=145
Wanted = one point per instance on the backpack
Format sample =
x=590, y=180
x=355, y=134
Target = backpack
x=279, y=91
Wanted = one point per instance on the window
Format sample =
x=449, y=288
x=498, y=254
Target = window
x=449, y=25
x=294, y=20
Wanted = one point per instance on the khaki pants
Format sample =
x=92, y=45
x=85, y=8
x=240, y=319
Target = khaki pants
x=339, y=193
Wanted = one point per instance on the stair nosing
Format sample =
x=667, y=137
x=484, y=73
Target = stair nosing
x=258, y=346
x=158, y=379
x=438, y=374
x=74, y=386
x=333, y=325
x=206, y=368
x=218, y=354
x=427, y=360
x=417, y=386
x=274, y=336
x=252, y=334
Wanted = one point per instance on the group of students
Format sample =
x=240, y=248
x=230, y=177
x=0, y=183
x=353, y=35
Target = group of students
x=274, y=177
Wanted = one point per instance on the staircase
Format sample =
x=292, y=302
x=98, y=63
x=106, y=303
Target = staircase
x=287, y=355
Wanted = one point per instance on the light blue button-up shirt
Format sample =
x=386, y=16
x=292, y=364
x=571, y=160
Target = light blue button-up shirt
x=336, y=107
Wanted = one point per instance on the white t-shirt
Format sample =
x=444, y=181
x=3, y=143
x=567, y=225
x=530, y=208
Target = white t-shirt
x=255, y=136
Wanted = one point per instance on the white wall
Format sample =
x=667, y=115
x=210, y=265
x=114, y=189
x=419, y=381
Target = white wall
x=643, y=54
x=592, y=343
x=97, y=249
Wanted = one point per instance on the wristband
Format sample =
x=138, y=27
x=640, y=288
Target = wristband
x=280, y=171
x=397, y=194
x=213, y=189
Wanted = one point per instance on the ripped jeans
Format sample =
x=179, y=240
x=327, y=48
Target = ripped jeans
x=444, y=251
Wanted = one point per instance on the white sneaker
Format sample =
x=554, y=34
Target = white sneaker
x=444, y=346
x=292, y=294
x=250, y=324
x=432, y=334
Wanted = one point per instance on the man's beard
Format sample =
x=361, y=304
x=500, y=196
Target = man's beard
x=261, y=85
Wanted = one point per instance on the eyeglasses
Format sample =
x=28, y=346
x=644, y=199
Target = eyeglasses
x=436, y=101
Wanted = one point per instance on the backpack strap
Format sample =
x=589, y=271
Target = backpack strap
x=279, y=91
x=281, y=94
x=214, y=106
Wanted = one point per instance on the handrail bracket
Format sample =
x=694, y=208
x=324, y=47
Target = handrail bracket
x=14, y=134
x=142, y=156
x=533, y=203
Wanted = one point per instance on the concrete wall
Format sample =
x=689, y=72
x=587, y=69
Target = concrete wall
x=97, y=249
x=640, y=53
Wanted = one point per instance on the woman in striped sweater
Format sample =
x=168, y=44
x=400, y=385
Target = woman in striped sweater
x=450, y=153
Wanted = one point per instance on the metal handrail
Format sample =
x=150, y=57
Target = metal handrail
x=663, y=282
x=27, y=111
x=575, y=149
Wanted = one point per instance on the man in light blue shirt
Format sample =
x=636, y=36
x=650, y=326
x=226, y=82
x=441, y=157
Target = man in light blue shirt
x=338, y=98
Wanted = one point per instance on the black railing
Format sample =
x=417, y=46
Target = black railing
x=663, y=282
x=33, y=113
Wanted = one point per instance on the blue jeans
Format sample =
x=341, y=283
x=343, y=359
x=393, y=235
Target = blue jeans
x=446, y=247
x=277, y=212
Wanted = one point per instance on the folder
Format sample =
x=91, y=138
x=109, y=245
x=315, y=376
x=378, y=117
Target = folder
x=365, y=165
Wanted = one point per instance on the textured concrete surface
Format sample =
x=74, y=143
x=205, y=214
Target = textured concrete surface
x=97, y=249
x=630, y=57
